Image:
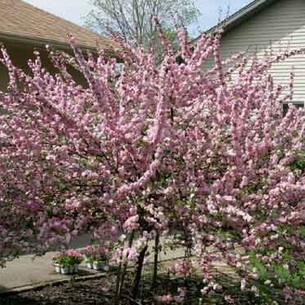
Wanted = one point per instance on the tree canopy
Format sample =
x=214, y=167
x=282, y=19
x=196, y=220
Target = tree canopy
x=161, y=148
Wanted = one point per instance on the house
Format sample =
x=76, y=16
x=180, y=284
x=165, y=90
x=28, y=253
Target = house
x=25, y=28
x=265, y=25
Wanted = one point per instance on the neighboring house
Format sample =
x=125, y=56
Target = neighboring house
x=265, y=25
x=25, y=28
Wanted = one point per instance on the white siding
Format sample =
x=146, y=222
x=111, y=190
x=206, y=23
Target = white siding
x=279, y=27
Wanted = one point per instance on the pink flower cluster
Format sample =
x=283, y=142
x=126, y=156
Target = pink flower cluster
x=183, y=267
x=172, y=299
x=70, y=257
x=73, y=252
x=97, y=252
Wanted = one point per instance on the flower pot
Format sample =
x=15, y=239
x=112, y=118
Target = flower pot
x=96, y=266
x=99, y=265
x=71, y=268
x=89, y=265
x=65, y=270
x=75, y=268
x=57, y=268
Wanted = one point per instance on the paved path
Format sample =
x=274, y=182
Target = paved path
x=26, y=271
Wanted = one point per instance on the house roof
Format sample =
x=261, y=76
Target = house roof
x=23, y=22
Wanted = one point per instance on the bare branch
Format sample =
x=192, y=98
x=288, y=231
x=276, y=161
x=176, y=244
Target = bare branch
x=132, y=19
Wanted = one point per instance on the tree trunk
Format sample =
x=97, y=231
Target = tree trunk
x=156, y=256
x=121, y=274
x=130, y=241
x=117, y=287
x=137, y=280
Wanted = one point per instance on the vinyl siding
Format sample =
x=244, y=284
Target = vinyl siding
x=279, y=27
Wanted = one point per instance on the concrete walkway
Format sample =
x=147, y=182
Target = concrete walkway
x=27, y=271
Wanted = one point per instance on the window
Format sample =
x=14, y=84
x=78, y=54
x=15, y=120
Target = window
x=298, y=104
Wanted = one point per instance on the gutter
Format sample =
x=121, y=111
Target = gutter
x=41, y=42
x=240, y=16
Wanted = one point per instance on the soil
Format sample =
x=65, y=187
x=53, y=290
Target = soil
x=88, y=292
x=99, y=291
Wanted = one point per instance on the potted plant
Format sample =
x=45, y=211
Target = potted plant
x=75, y=258
x=100, y=264
x=101, y=259
x=56, y=264
x=89, y=256
x=89, y=262
x=67, y=262
x=96, y=257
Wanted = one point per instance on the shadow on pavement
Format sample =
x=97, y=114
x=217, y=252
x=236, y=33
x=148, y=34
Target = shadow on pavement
x=3, y=289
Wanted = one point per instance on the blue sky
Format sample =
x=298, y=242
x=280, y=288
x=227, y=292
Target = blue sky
x=76, y=10
x=213, y=10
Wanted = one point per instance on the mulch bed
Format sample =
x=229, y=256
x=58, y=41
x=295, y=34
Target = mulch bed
x=88, y=292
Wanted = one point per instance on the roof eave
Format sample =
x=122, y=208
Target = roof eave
x=40, y=42
x=240, y=16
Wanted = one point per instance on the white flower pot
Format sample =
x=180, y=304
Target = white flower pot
x=57, y=268
x=89, y=265
x=99, y=265
x=75, y=268
x=65, y=270
x=71, y=269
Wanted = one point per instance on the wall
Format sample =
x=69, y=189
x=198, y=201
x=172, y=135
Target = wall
x=279, y=27
x=20, y=54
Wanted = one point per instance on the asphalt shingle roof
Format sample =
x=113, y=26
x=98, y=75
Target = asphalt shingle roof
x=22, y=21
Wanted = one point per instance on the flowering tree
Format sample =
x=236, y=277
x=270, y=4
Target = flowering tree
x=206, y=152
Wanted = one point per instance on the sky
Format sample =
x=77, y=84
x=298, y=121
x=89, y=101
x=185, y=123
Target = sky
x=76, y=10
